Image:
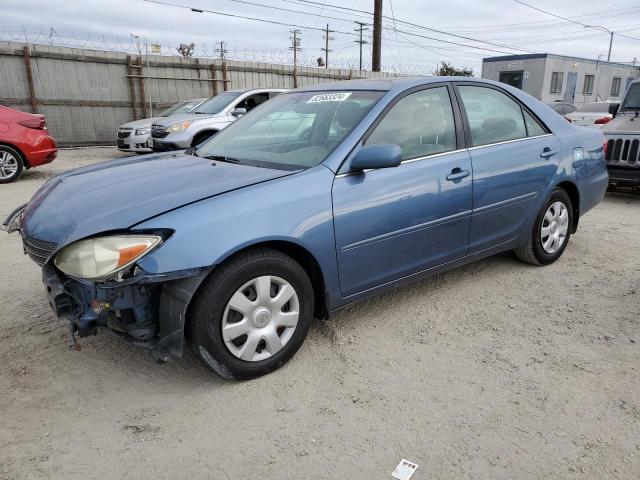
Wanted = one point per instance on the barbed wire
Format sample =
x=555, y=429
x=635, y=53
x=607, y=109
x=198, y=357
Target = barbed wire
x=208, y=51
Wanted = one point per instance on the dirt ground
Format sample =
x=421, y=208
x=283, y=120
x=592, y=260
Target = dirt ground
x=497, y=370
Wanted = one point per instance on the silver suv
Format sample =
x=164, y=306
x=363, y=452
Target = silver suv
x=183, y=131
x=622, y=135
x=135, y=136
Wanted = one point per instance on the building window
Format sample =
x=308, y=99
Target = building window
x=588, y=85
x=556, y=82
x=615, y=86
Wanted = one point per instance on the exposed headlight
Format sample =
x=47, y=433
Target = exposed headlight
x=143, y=131
x=178, y=127
x=101, y=257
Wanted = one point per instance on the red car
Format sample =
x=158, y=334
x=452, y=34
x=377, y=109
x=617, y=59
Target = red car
x=24, y=143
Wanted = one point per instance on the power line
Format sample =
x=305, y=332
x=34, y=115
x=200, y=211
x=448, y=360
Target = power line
x=244, y=17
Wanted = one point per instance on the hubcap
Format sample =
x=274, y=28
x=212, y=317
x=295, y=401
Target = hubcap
x=8, y=165
x=555, y=226
x=260, y=318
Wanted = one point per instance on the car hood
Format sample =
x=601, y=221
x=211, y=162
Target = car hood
x=165, y=122
x=625, y=123
x=118, y=194
x=145, y=122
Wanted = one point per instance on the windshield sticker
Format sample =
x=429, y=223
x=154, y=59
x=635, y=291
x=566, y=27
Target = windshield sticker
x=329, y=97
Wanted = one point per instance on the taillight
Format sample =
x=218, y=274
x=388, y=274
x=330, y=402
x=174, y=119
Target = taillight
x=605, y=144
x=568, y=119
x=35, y=123
x=602, y=121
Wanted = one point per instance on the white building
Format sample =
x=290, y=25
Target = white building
x=550, y=77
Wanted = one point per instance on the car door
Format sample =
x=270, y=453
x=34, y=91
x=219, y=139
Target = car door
x=394, y=222
x=514, y=158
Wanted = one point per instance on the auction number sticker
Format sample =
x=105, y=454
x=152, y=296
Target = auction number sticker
x=329, y=97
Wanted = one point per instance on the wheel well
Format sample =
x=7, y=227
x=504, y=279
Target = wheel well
x=574, y=196
x=198, y=136
x=23, y=158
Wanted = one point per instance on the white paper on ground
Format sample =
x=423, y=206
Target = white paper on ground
x=404, y=470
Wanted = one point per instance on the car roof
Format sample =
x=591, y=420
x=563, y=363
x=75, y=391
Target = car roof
x=391, y=83
x=265, y=89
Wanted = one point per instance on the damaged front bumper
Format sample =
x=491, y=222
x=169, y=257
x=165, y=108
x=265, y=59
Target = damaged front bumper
x=147, y=310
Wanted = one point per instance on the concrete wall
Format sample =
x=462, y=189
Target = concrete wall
x=87, y=94
x=532, y=82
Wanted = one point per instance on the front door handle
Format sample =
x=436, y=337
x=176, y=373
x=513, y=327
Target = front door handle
x=547, y=153
x=457, y=174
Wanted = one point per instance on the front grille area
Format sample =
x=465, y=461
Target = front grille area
x=158, y=131
x=124, y=133
x=38, y=250
x=625, y=151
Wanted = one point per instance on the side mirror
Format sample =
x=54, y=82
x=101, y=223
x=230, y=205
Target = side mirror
x=238, y=112
x=383, y=155
x=613, y=108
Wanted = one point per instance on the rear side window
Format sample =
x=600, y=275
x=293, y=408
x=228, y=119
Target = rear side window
x=533, y=127
x=421, y=123
x=493, y=117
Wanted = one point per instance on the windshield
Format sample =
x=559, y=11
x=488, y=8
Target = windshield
x=632, y=98
x=217, y=103
x=294, y=130
x=595, y=108
x=181, y=107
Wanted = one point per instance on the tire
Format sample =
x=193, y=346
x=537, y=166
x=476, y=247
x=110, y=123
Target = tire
x=202, y=137
x=536, y=251
x=10, y=157
x=213, y=308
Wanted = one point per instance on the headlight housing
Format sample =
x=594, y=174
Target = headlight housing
x=100, y=258
x=143, y=131
x=179, y=127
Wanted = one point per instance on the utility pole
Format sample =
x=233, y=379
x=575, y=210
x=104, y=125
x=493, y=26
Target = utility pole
x=223, y=51
x=361, y=28
x=611, y=34
x=295, y=46
x=610, y=45
x=377, y=35
x=326, y=50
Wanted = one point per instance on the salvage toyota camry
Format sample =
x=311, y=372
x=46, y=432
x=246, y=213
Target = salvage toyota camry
x=317, y=198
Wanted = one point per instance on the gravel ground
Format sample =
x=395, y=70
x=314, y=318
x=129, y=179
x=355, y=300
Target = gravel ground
x=496, y=370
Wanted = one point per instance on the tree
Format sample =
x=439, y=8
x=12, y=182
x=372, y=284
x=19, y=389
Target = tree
x=448, y=70
x=186, y=49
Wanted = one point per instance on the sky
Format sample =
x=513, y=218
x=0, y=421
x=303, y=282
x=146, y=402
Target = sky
x=417, y=34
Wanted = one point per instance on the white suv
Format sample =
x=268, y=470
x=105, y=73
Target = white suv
x=183, y=131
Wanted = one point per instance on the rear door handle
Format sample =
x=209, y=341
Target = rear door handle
x=457, y=174
x=547, y=153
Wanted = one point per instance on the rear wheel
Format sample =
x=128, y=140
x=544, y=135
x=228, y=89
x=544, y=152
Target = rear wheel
x=251, y=315
x=551, y=231
x=11, y=164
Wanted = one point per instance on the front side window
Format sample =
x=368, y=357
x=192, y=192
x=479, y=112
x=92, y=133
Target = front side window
x=292, y=131
x=615, y=86
x=493, y=117
x=632, y=98
x=556, y=82
x=252, y=101
x=421, y=123
x=588, y=85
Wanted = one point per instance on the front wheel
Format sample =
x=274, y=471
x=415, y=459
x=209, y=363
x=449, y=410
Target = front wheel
x=551, y=231
x=251, y=315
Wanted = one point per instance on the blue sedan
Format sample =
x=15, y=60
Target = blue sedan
x=316, y=199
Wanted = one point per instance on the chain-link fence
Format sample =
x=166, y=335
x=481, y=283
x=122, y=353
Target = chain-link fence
x=86, y=94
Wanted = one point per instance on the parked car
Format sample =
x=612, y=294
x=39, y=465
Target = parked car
x=25, y=143
x=184, y=131
x=594, y=114
x=562, y=108
x=623, y=141
x=322, y=196
x=136, y=136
